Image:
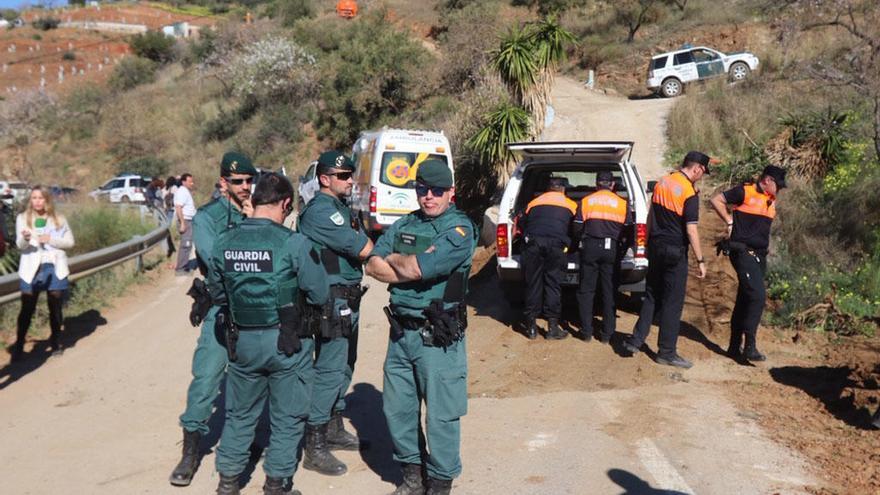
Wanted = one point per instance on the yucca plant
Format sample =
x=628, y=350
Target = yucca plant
x=549, y=40
x=506, y=124
x=515, y=60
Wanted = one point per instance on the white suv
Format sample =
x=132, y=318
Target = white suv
x=122, y=189
x=578, y=162
x=669, y=71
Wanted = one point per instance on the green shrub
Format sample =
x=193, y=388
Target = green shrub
x=153, y=45
x=68, y=56
x=46, y=23
x=37, y=37
x=132, y=72
x=228, y=122
x=97, y=226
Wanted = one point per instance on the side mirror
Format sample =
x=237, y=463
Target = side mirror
x=651, y=185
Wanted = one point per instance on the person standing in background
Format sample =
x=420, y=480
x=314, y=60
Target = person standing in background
x=184, y=210
x=42, y=235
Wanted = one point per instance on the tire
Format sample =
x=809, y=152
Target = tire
x=671, y=87
x=739, y=71
x=125, y=199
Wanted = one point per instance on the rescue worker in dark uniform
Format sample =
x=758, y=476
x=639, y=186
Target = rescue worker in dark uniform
x=546, y=225
x=209, y=360
x=426, y=258
x=672, y=225
x=754, y=208
x=265, y=276
x=602, y=216
x=328, y=222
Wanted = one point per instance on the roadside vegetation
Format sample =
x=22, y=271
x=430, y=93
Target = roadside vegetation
x=814, y=110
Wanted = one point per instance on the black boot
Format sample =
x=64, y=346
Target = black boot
x=317, y=455
x=439, y=487
x=554, y=332
x=751, y=352
x=412, y=481
x=279, y=486
x=734, y=348
x=532, y=329
x=56, y=319
x=228, y=485
x=186, y=468
x=337, y=437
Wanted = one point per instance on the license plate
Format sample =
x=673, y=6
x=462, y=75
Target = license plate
x=571, y=279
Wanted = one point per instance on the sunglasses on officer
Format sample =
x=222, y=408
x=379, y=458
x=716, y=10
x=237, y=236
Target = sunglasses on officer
x=342, y=175
x=238, y=182
x=436, y=191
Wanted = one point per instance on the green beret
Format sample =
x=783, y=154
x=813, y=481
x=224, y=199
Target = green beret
x=334, y=160
x=434, y=173
x=236, y=163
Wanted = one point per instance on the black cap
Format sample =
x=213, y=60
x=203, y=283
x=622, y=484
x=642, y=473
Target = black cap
x=558, y=182
x=697, y=157
x=604, y=176
x=777, y=173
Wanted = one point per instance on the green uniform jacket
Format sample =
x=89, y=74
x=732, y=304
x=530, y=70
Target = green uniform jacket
x=452, y=237
x=210, y=221
x=275, y=258
x=326, y=221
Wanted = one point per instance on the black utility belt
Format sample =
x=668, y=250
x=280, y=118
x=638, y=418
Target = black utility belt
x=438, y=328
x=346, y=291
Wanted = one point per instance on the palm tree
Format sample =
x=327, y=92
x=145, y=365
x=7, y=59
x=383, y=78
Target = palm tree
x=549, y=40
x=508, y=123
x=516, y=62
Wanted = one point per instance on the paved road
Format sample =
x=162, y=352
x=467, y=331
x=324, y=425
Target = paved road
x=103, y=419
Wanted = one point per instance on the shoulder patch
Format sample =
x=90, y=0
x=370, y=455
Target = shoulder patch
x=337, y=218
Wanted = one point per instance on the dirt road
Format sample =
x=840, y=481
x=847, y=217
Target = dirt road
x=564, y=417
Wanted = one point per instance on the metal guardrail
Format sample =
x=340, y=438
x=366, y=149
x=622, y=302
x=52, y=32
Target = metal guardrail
x=87, y=264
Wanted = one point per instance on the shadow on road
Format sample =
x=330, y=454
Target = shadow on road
x=693, y=333
x=635, y=485
x=486, y=297
x=75, y=328
x=827, y=384
x=364, y=409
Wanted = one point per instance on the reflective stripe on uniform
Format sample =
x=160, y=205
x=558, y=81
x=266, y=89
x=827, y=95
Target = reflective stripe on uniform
x=603, y=205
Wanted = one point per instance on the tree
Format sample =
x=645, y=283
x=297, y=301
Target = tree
x=550, y=41
x=635, y=13
x=131, y=72
x=855, y=62
x=549, y=7
x=507, y=124
x=153, y=45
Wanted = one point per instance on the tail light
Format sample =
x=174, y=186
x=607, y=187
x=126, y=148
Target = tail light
x=502, y=243
x=641, y=240
x=373, y=193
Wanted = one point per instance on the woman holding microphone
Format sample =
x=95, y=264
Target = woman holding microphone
x=42, y=235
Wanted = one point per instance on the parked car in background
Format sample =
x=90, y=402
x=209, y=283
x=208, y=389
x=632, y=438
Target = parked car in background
x=63, y=194
x=13, y=191
x=578, y=162
x=126, y=188
x=669, y=72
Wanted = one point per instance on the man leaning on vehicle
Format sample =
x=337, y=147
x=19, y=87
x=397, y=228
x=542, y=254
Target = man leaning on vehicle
x=545, y=227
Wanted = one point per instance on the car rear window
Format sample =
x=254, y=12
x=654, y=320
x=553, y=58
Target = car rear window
x=399, y=167
x=659, y=62
x=684, y=58
x=580, y=183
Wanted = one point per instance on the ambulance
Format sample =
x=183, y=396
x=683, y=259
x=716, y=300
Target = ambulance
x=387, y=162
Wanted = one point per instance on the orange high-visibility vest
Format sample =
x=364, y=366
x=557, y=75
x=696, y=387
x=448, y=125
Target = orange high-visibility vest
x=672, y=191
x=553, y=198
x=603, y=205
x=757, y=203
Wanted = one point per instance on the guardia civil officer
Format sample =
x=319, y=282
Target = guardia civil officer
x=426, y=257
x=602, y=216
x=328, y=222
x=672, y=225
x=209, y=360
x=265, y=276
x=754, y=208
x=546, y=225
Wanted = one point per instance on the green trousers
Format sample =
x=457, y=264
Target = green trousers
x=334, y=366
x=208, y=365
x=416, y=373
x=260, y=372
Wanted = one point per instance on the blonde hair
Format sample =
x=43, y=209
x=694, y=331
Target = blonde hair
x=50, y=206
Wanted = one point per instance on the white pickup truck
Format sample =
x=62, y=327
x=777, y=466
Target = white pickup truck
x=578, y=162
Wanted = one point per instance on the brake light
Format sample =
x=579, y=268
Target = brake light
x=501, y=241
x=373, y=194
x=641, y=240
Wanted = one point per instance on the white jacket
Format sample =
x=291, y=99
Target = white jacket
x=32, y=254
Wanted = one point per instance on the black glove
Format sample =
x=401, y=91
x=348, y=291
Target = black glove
x=201, y=302
x=443, y=325
x=288, y=338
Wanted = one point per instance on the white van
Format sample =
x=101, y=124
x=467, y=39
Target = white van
x=387, y=161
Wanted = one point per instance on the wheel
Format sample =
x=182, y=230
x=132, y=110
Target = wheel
x=739, y=71
x=671, y=87
x=125, y=199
